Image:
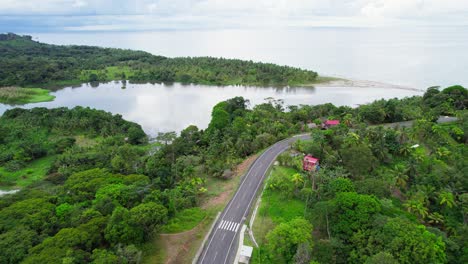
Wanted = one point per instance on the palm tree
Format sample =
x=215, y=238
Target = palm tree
x=417, y=207
x=437, y=130
x=446, y=198
x=400, y=172
x=351, y=139
x=435, y=218
x=347, y=120
x=298, y=180
x=442, y=152
x=405, y=150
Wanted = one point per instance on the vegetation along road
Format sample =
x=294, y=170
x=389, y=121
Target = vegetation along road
x=221, y=247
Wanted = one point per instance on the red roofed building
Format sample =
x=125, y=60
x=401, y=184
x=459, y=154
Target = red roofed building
x=330, y=123
x=310, y=163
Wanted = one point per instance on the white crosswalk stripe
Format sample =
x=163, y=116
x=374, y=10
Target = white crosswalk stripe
x=228, y=225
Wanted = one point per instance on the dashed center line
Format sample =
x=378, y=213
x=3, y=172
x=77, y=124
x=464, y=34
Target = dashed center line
x=229, y=226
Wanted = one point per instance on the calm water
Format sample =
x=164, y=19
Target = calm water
x=159, y=107
x=415, y=56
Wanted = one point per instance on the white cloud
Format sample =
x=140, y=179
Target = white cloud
x=80, y=3
x=186, y=14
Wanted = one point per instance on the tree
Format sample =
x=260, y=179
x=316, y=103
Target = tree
x=16, y=243
x=339, y=185
x=358, y=160
x=446, y=198
x=102, y=256
x=120, y=228
x=284, y=240
x=400, y=174
x=352, y=212
x=149, y=216
x=381, y=258
x=417, y=206
x=411, y=243
x=220, y=118
x=298, y=180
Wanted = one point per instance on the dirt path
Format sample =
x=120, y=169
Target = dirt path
x=180, y=247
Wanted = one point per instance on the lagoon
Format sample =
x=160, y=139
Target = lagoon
x=173, y=107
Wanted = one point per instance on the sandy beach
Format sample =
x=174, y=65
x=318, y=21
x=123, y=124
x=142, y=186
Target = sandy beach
x=338, y=82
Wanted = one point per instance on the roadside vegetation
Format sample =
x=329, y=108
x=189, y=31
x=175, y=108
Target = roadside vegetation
x=18, y=95
x=382, y=195
x=107, y=193
x=26, y=62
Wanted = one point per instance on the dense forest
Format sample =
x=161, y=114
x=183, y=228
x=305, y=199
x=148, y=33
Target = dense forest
x=381, y=195
x=107, y=191
x=26, y=62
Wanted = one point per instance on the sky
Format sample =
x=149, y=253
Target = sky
x=146, y=15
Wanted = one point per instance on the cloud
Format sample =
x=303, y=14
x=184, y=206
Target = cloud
x=188, y=14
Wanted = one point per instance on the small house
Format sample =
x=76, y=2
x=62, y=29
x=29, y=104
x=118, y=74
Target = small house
x=330, y=123
x=310, y=163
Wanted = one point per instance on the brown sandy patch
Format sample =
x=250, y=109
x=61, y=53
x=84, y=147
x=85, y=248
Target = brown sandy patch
x=230, y=185
x=178, y=246
x=363, y=84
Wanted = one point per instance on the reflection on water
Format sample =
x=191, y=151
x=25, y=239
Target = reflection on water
x=163, y=107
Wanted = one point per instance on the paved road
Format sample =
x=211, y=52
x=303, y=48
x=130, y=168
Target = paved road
x=221, y=247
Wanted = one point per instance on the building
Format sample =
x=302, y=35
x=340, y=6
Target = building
x=330, y=123
x=245, y=254
x=310, y=163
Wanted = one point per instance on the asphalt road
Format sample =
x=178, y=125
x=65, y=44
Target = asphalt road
x=221, y=247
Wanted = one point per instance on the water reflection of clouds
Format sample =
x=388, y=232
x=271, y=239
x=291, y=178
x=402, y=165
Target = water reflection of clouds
x=173, y=107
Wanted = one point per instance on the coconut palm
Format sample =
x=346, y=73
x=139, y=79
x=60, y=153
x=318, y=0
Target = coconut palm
x=446, y=198
x=405, y=150
x=442, y=152
x=417, y=207
x=435, y=218
x=400, y=172
x=351, y=139
x=298, y=180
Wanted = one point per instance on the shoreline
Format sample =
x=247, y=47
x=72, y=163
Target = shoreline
x=345, y=82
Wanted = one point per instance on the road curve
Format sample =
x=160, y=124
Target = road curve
x=221, y=246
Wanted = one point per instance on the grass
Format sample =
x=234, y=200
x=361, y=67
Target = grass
x=276, y=208
x=109, y=73
x=155, y=251
x=35, y=171
x=18, y=95
x=184, y=220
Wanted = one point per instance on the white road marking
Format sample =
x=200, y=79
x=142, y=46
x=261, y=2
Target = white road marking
x=223, y=236
x=223, y=223
x=229, y=226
